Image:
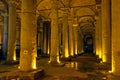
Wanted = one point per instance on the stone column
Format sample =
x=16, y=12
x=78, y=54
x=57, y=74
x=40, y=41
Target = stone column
x=5, y=36
x=71, y=45
x=80, y=43
x=75, y=25
x=54, y=54
x=65, y=33
x=98, y=32
x=100, y=35
x=11, y=54
x=96, y=36
x=18, y=26
x=49, y=39
x=28, y=44
x=106, y=49
x=40, y=37
x=45, y=37
x=115, y=37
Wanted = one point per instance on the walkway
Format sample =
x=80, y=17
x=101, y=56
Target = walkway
x=83, y=67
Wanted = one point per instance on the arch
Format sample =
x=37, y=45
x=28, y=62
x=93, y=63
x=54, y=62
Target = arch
x=83, y=11
x=82, y=2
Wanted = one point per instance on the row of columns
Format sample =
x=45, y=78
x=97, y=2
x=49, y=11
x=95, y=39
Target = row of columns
x=28, y=45
x=28, y=35
x=115, y=36
x=107, y=34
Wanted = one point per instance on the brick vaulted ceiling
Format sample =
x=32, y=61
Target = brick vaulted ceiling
x=82, y=10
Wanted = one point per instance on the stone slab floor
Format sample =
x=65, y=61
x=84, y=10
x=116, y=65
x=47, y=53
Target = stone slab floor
x=83, y=67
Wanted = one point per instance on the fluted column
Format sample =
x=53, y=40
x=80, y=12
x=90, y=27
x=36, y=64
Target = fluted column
x=28, y=45
x=65, y=33
x=5, y=36
x=54, y=54
x=115, y=37
x=106, y=49
x=11, y=54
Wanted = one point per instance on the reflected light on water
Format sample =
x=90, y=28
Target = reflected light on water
x=72, y=65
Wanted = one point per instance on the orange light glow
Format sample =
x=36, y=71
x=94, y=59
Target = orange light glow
x=66, y=53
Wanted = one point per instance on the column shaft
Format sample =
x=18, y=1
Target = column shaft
x=28, y=44
x=45, y=37
x=71, y=45
x=100, y=36
x=75, y=39
x=11, y=54
x=5, y=37
x=54, y=54
x=106, y=31
x=115, y=37
x=65, y=34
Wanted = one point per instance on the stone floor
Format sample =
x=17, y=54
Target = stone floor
x=83, y=67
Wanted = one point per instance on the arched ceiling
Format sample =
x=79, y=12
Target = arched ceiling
x=84, y=10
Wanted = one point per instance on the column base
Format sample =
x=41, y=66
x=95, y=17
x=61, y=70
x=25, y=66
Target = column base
x=26, y=75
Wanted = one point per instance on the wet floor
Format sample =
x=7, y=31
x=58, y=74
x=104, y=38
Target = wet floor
x=85, y=67
x=88, y=66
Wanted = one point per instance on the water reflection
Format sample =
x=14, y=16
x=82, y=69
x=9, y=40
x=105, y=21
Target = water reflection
x=72, y=65
x=82, y=66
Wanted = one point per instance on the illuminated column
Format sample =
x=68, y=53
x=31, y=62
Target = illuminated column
x=65, y=33
x=96, y=36
x=45, y=37
x=49, y=39
x=39, y=36
x=106, y=49
x=11, y=54
x=54, y=54
x=80, y=43
x=75, y=39
x=28, y=45
x=98, y=32
x=75, y=25
x=115, y=37
x=71, y=45
x=5, y=36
